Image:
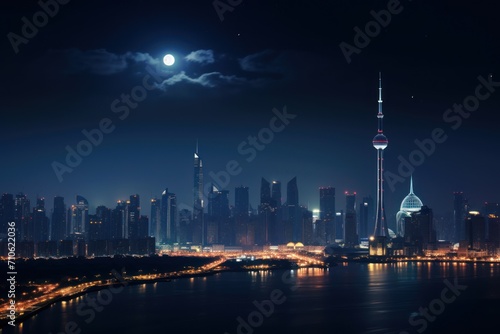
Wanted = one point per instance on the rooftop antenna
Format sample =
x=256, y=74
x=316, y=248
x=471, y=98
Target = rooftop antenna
x=380, y=114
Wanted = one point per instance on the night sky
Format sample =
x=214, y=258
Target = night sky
x=228, y=77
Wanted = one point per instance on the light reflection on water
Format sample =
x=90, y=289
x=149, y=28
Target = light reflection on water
x=350, y=298
x=311, y=272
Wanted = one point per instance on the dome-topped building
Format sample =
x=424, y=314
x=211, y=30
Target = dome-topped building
x=411, y=203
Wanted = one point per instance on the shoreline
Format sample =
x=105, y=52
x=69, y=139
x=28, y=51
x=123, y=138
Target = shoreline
x=47, y=304
x=4, y=323
x=20, y=318
x=389, y=260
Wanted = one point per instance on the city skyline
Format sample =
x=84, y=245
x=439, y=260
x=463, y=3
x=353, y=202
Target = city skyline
x=254, y=200
x=348, y=203
x=237, y=77
x=312, y=201
x=74, y=229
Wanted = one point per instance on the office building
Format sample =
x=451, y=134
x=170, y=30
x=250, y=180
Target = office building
x=58, y=231
x=327, y=215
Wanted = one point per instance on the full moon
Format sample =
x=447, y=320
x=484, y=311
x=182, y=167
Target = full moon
x=169, y=60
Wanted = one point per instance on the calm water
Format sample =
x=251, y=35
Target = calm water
x=354, y=298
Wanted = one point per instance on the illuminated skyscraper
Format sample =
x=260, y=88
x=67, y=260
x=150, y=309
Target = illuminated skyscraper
x=351, y=232
x=168, y=218
x=241, y=201
x=40, y=221
x=270, y=228
x=95, y=228
x=276, y=194
x=420, y=234
x=339, y=224
x=143, y=227
x=278, y=234
x=118, y=220
x=459, y=214
x=494, y=232
x=185, y=231
x=490, y=209
x=327, y=214
x=350, y=202
x=199, y=229
x=79, y=219
x=7, y=213
x=132, y=218
x=265, y=221
x=58, y=219
x=154, y=226
x=381, y=233
x=221, y=231
x=241, y=216
x=292, y=192
x=172, y=218
x=365, y=215
x=293, y=213
x=104, y=214
x=475, y=230
x=22, y=215
x=265, y=192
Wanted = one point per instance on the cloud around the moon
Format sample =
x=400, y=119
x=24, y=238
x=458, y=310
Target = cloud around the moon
x=212, y=79
x=201, y=56
x=262, y=68
x=266, y=61
x=99, y=61
x=290, y=63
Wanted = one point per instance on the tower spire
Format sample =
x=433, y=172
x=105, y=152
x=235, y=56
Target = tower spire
x=379, y=92
x=196, y=146
x=411, y=184
x=380, y=115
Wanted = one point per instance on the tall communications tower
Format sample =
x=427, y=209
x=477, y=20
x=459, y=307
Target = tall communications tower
x=381, y=233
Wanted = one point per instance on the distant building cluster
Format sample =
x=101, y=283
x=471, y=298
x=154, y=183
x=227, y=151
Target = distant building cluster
x=72, y=231
x=468, y=234
x=278, y=221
